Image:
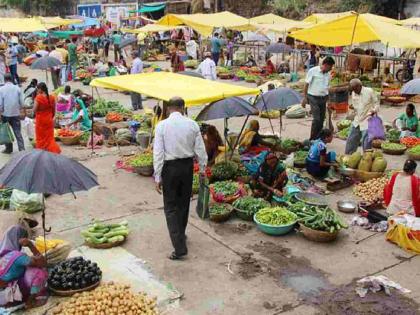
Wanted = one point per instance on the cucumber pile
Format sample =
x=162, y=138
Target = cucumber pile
x=99, y=233
x=317, y=218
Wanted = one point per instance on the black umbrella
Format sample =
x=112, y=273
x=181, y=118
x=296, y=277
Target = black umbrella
x=227, y=108
x=39, y=171
x=192, y=74
x=278, y=99
x=45, y=63
x=278, y=48
x=128, y=41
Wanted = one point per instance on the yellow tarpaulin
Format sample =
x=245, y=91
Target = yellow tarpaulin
x=165, y=85
x=56, y=21
x=205, y=23
x=270, y=18
x=410, y=22
x=356, y=29
x=274, y=23
x=325, y=17
x=150, y=28
x=21, y=25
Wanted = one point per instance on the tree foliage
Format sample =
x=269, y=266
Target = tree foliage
x=43, y=7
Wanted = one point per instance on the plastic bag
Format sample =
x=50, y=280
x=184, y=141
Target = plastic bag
x=375, y=128
x=6, y=135
x=28, y=203
x=203, y=199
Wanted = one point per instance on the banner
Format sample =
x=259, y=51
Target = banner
x=89, y=10
x=114, y=13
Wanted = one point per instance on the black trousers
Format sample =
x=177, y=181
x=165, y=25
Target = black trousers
x=177, y=178
x=318, y=109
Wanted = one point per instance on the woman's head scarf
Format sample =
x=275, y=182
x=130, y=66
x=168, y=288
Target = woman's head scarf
x=11, y=238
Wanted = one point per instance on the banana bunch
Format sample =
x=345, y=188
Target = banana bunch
x=44, y=246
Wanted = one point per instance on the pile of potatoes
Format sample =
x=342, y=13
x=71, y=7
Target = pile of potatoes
x=372, y=190
x=108, y=299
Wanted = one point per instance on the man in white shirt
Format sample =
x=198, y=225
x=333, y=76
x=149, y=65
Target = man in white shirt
x=316, y=92
x=55, y=72
x=191, y=48
x=207, y=67
x=365, y=104
x=177, y=141
x=136, y=68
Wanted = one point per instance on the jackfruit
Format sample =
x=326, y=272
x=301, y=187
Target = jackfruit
x=379, y=165
x=365, y=164
x=354, y=160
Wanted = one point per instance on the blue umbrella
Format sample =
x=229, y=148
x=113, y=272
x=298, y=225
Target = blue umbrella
x=411, y=88
x=278, y=48
x=278, y=99
x=227, y=108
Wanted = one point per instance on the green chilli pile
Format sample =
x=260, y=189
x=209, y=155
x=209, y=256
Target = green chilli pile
x=277, y=216
x=142, y=160
x=317, y=218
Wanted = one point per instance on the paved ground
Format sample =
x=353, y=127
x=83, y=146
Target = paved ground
x=233, y=268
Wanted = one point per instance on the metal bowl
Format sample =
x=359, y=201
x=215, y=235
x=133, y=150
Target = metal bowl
x=347, y=206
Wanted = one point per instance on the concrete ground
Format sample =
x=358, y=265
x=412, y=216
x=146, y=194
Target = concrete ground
x=232, y=268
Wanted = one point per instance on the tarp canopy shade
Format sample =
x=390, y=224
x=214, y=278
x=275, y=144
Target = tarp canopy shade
x=283, y=27
x=325, y=17
x=21, y=25
x=165, y=85
x=56, y=21
x=205, y=23
x=86, y=21
x=66, y=34
x=147, y=8
x=271, y=18
x=410, y=22
x=362, y=28
x=150, y=28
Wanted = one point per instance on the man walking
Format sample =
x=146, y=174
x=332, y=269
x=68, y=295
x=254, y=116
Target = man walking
x=365, y=104
x=116, y=40
x=207, y=68
x=64, y=59
x=136, y=68
x=12, y=53
x=216, y=47
x=177, y=140
x=315, y=93
x=11, y=103
x=72, y=51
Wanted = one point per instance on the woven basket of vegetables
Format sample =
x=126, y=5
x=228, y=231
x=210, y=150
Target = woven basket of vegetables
x=220, y=212
x=393, y=148
x=247, y=206
x=226, y=191
x=414, y=153
x=318, y=236
x=143, y=164
x=69, y=137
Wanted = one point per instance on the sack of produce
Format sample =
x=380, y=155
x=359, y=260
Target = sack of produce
x=296, y=111
x=28, y=203
x=123, y=136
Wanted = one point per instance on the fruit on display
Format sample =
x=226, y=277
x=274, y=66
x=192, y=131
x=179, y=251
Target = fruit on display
x=343, y=124
x=370, y=161
x=112, y=117
x=111, y=298
x=74, y=274
x=410, y=142
x=344, y=133
x=393, y=146
x=67, y=133
x=372, y=190
x=101, y=233
x=414, y=150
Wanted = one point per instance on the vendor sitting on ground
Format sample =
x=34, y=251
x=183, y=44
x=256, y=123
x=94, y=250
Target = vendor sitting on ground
x=319, y=162
x=64, y=101
x=270, y=179
x=212, y=141
x=23, y=279
x=112, y=70
x=387, y=77
x=269, y=67
x=408, y=122
x=402, y=192
x=80, y=118
x=252, y=142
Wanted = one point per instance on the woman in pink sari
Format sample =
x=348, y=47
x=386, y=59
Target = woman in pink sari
x=23, y=279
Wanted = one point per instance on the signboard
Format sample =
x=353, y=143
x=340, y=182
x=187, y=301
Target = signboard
x=114, y=13
x=89, y=10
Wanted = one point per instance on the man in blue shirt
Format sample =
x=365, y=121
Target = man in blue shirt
x=11, y=103
x=12, y=53
x=216, y=47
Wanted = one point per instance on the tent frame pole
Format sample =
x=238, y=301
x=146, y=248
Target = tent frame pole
x=266, y=109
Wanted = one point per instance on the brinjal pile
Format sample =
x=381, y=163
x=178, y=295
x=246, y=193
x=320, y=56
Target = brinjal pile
x=74, y=274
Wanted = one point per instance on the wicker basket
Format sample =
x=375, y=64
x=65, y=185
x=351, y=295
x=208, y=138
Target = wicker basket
x=70, y=140
x=105, y=245
x=219, y=218
x=225, y=76
x=244, y=215
x=317, y=236
x=394, y=152
x=377, y=143
x=366, y=176
x=73, y=292
x=146, y=171
x=413, y=156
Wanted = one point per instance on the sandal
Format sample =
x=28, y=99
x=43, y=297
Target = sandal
x=174, y=256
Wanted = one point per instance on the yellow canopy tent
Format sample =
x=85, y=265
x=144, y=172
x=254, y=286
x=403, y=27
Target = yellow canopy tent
x=21, y=25
x=359, y=29
x=205, y=23
x=165, y=85
x=56, y=21
x=410, y=22
x=325, y=17
x=150, y=28
x=270, y=18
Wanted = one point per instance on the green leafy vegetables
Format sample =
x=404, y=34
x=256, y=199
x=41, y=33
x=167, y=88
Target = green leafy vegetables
x=225, y=188
x=250, y=205
x=218, y=209
x=224, y=171
x=142, y=160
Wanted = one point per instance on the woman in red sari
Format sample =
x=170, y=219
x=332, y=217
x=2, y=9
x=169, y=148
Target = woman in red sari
x=44, y=110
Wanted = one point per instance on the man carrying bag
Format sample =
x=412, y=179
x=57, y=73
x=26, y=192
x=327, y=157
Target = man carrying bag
x=11, y=103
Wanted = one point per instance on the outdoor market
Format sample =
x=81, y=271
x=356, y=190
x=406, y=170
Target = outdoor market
x=280, y=155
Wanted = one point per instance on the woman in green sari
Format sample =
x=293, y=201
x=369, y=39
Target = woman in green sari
x=80, y=118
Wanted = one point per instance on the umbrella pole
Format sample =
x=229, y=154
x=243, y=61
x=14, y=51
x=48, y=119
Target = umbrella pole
x=266, y=109
x=239, y=136
x=91, y=132
x=44, y=229
x=225, y=132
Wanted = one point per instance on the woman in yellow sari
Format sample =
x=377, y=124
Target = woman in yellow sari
x=252, y=142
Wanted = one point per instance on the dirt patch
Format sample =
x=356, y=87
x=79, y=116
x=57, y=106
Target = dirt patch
x=345, y=301
x=248, y=267
x=229, y=229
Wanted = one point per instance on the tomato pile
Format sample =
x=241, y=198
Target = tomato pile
x=410, y=142
x=114, y=117
x=67, y=133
